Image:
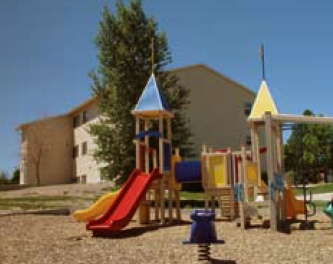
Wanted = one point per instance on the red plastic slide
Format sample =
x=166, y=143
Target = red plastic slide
x=123, y=208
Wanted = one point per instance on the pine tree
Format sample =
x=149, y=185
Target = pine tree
x=124, y=43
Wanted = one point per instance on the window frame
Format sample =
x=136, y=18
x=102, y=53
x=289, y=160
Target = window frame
x=76, y=121
x=84, y=116
x=248, y=108
x=84, y=148
x=76, y=151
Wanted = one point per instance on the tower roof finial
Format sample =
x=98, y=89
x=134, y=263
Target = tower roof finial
x=262, y=57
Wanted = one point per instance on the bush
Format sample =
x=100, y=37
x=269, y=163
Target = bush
x=3, y=178
x=16, y=176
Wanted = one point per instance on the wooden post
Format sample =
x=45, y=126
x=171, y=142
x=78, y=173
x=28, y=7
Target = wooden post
x=270, y=167
x=257, y=153
x=254, y=146
x=146, y=146
x=168, y=136
x=280, y=161
x=161, y=166
x=137, y=144
x=177, y=198
x=207, y=187
x=176, y=192
x=244, y=174
x=280, y=148
x=241, y=203
x=157, y=203
x=154, y=159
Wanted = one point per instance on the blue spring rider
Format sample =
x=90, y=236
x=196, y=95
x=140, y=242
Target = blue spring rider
x=203, y=232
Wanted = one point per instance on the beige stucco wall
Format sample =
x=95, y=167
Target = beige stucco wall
x=217, y=108
x=216, y=113
x=85, y=166
x=54, y=138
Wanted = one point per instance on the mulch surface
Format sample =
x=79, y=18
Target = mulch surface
x=59, y=239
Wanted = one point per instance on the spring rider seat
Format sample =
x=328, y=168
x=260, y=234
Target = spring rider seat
x=328, y=210
x=203, y=233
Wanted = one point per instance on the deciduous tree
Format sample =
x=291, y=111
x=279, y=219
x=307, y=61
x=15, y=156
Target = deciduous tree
x=317, y=146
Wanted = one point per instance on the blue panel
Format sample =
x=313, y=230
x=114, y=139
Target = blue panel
x=149, y=133
x=279, y=180
x=167, y=156
x=188, y=171
x=152, y=99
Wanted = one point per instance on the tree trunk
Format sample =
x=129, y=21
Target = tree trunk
x=38, y=177
x=37, y=173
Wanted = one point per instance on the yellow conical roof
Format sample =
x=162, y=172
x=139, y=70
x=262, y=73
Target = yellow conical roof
x=263, y=103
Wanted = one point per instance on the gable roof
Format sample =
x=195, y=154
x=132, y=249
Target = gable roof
x=94, y=100
x=152, y=102
x=263, y=102
x=216, y=73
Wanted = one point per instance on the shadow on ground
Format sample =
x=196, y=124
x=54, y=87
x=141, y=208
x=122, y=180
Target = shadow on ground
x=218, y=261
x=136, y=231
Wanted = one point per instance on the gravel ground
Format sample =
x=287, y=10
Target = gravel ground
x=39, y=239
x=59, y=239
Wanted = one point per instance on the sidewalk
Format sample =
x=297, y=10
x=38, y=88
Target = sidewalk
x=317, y=197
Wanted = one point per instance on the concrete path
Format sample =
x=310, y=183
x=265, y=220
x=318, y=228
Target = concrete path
x=318, y=197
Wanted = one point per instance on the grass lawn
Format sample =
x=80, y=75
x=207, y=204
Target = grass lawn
x=191, y=195
x=188, y=200
x=40, y=202
x=320, y=204
x=322, y=188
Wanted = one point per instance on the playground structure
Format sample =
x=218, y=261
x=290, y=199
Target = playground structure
x=233, y=177
x=237, y=175
x=282, y=204
x=136, y=192
x=218, y=182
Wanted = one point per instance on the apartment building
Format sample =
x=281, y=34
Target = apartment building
x=218, y=111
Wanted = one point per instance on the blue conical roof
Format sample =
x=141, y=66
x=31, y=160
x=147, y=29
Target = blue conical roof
x=152, y=101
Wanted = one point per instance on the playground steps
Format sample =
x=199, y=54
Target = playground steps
x=226, y=201
x=229, y=208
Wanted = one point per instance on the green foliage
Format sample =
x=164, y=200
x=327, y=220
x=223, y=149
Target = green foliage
x=3, y=178
x=124, y=46
x=317, y=149
x=16, y=176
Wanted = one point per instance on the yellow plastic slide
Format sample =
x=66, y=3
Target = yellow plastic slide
x=98, y=208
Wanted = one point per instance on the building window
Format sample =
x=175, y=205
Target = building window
x=76, y=121
x=84, y=148
x=76, y=151
x=84, y=116
x=248, y=140
x=247, y=108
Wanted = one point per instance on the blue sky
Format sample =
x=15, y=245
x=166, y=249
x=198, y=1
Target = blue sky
x=47, y=50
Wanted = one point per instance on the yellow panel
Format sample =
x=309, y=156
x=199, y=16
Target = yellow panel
x=252, y=174
x=203, y=171
x=263, y=103
x=217, y=171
